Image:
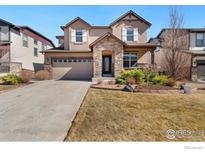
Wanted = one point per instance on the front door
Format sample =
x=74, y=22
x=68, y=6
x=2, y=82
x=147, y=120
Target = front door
x=106, y=61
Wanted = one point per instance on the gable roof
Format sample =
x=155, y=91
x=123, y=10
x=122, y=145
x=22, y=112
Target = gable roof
x=74, y=20
x=37, y=33
x=132, y=13
x=108, y=34
x=8, y=23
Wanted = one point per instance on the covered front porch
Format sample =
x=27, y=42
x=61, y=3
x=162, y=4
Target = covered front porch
x=110, y=62
x=111, y=56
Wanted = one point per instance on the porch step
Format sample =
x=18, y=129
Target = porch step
x=108, y=80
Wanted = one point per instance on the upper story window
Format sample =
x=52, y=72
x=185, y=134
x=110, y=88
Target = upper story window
x=129, y=34
x=35, y=41
x=129, y=60
x=199, y=39
x=44, y=47
x=60, y=41
x=79, y=35
x=25, y=40
x=4, y=33
x=35, y=52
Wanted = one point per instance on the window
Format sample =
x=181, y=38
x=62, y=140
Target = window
x=65, y=60
x=44, y=47
x=130, y=60
x=35, y=53
x=60, y=41
x=4, y=33
x=79, y=35
x=130, y=34
x=199, y=39
x=35, y=41
x=25, y=40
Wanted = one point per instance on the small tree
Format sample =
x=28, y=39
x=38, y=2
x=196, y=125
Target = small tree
x=175, y=46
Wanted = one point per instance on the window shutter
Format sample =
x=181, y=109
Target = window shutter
x=135, y=34
x=73, y=37
x=84, y=35
x=124, y=34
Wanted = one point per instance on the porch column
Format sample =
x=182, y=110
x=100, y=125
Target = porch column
x=118, y=60
x=97, y=63
x=152, y=57
x=48, y=65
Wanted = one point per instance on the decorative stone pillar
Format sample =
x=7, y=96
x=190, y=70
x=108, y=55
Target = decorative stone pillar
x=48, y=67
x=118, y=61
x=194, y=69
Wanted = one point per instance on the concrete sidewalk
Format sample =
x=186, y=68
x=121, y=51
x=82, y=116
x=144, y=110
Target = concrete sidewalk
x=41, y=111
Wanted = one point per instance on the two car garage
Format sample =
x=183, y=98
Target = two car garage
x=72, y=68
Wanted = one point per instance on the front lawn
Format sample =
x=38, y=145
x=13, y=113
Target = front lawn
x=107, y=115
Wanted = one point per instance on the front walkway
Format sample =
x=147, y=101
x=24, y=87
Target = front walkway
x=41, y=111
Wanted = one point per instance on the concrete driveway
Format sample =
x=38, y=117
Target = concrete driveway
x=41, y=111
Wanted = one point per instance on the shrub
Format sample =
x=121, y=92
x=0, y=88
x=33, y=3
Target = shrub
x=137, y=74
x=11, y=79
x=42, y=75
x=171, y=82
x=26, y=76
x=150, y=75
x=159, y=79
x=131, y=80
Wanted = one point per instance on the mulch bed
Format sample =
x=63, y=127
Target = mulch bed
x=156, y=89
x=143, y=89
x=108, y=86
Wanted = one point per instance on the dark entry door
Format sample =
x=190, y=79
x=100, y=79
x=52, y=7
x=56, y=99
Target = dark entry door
x=107, y=60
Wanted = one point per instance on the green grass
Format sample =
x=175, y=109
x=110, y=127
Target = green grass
x=107, y=115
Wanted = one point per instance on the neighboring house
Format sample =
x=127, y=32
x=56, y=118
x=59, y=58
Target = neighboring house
x=195, y=38
x=20, y=48
x=97, y=52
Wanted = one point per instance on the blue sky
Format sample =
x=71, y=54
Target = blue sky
x=48, y=19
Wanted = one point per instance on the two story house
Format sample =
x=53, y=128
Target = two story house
x=195, y=47
x=20, y=48
x=97, y=52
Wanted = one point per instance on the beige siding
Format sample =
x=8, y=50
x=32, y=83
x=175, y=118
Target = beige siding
x=69, y=45
x=95, y=33
x=142, y=28
x=25, y=55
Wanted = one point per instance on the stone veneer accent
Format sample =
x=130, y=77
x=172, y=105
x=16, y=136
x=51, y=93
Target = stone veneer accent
x=48, y=68
x=112, y=45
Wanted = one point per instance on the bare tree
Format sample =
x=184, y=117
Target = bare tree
x=176, y=59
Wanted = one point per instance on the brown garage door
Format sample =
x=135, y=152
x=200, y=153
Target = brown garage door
x=201, y=69
x=72, y=69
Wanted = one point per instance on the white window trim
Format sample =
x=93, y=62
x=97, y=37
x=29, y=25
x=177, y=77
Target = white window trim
x=200, y=39
x=135, y=34
x=25, y=38
x=34, y=52
x=74, y=37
